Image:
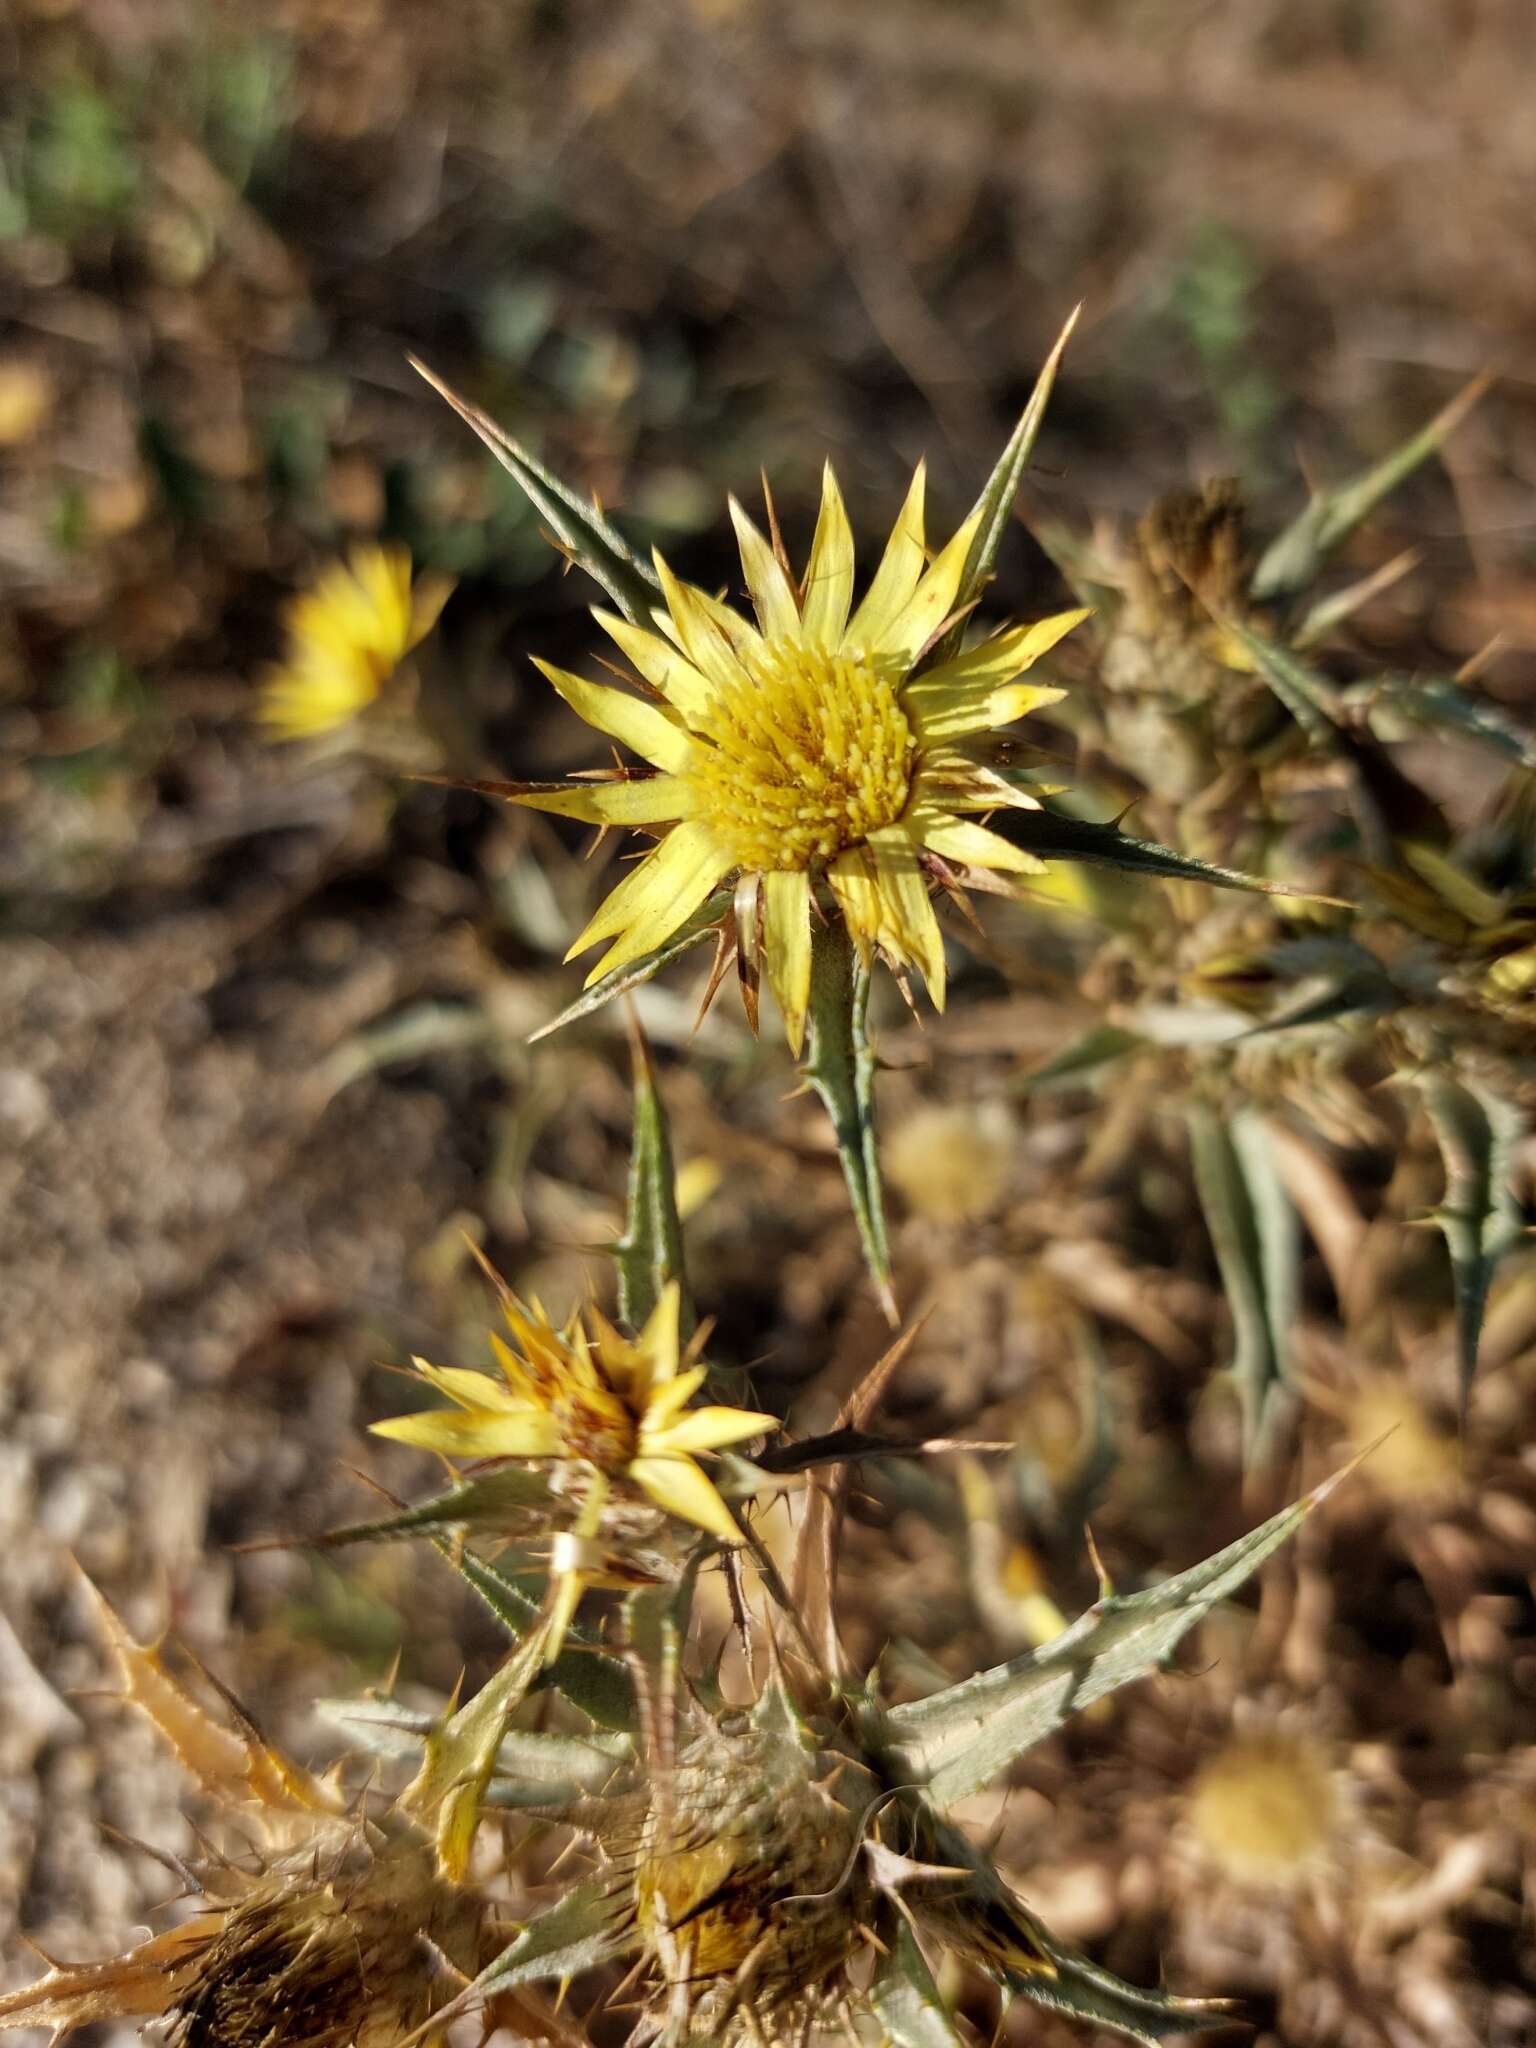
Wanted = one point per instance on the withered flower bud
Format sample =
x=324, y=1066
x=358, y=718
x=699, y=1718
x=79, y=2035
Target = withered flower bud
x=748, y=1884
x=348, y=1954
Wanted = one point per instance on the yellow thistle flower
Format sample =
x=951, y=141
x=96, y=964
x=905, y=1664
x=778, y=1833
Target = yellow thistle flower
x=807, y=746
x=1264, y=1807
x=614, y=1407
x=346, y=637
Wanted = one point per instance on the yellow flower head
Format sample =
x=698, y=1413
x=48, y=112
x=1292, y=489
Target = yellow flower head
x=615, y=1408
x=807, y=746
x=346, y=637
x=1265, y=1806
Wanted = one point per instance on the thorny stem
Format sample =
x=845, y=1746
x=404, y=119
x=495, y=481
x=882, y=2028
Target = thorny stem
x=840, y=1066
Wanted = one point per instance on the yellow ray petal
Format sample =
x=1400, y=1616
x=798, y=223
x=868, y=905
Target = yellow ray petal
x=787, y=942
x=950, y=779
x=1004, y=656
x=639, y=800
x=714, y=638
x=468, y=1389
x=514, y=1372
x=484, y=1433
x=708, y=1429
x=883, y=893
x=852, y=878
x=829, y=572
x=958, y=839
x=978, y=707
x=677, y=1485
x=629, y=719
x=660, y=1341
x=668, y=1398
x=662, y=665
x=897, y=576
x=911, y=927
x=431, y=593
x=932, y=601
x=777, y=612
x=662, y=893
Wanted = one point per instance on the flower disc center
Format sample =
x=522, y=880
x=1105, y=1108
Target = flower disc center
x=810, y=756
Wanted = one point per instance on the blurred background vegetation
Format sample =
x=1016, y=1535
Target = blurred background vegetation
x=264, y=1050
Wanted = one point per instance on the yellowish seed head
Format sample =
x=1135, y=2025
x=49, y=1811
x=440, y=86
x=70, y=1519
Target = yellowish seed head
x=951, y=1161
x=1265, y=1807
x=809, y=755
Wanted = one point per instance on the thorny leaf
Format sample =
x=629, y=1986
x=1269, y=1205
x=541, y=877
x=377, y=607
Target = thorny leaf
x=1440, y=703
x=1308, y=696
x=994, y=507
x=1053, y=836
x=593, y=1681
x=959, y=1739
x=588, y=1927
x=703, y=923
x=840, y=1065
x=1294, y=557
x=231, y=1767
x=1087, y=1992
x=135, y=1986
x=592, y=540
x=534, y=1768
x=1257, y=1240
x=460, y=1753
x=906, y=2000
x=486, y=1500
x=1477, y=1132
x=650, y=1253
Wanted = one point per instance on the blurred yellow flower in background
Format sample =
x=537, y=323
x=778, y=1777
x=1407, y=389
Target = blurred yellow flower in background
x=614, y=1407
x=812, y=744
x=347, y=635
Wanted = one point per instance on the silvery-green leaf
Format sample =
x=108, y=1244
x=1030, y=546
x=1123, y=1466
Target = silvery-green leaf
x=650, y=1253
x=840, y=1065
x=487, y=1498
x=533, y=1767
x=1397, y=705
x=592, y=539
x=591, y=1925
x=1257, y=1239
x=906, y=2000
x=994, y=507
x=960, y=1739
x=1309, y=697
x=1095, y=1048
x=704, y=922
x=1477, y=1132
x=1293, y=558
